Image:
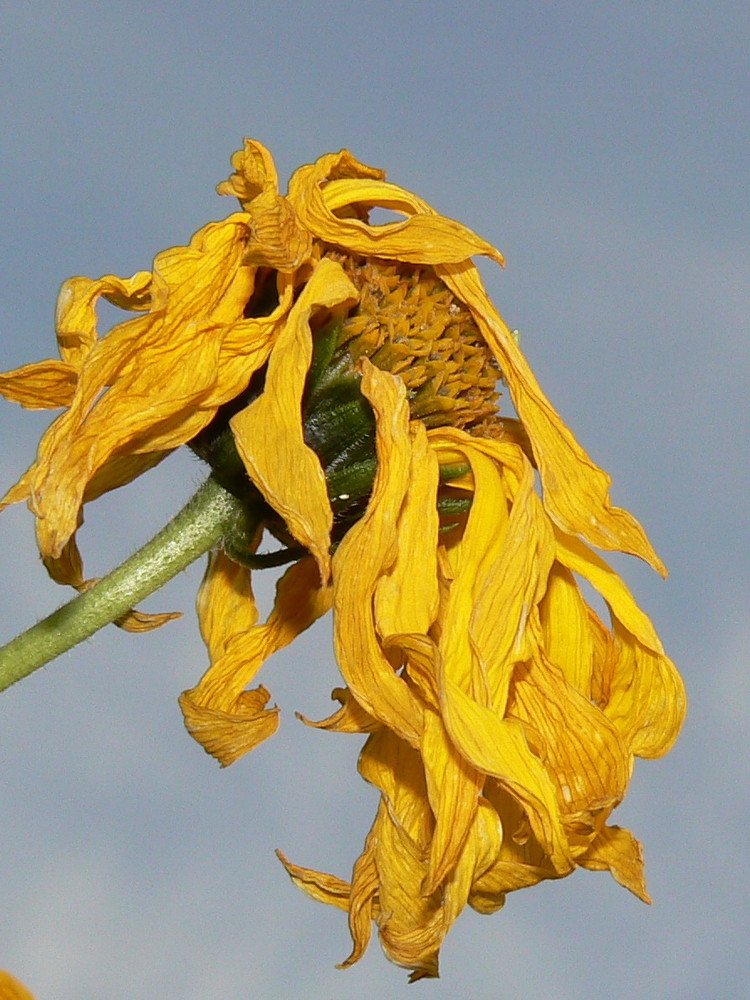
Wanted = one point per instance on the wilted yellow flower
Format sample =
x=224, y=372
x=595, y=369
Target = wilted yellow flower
x=12, y=989
x=340, y=378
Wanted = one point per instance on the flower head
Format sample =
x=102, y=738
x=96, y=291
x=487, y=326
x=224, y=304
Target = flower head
x=340, y=377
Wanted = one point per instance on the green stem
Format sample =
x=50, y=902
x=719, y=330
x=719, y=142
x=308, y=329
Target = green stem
x=209, y=514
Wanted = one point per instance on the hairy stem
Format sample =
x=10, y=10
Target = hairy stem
x=210, y=513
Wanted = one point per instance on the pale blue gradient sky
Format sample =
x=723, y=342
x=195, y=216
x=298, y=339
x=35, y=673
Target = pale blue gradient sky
x=603, y=147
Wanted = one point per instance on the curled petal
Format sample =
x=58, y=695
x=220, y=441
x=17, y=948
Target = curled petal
x=67, y=568
x=349, y=718
x=227, y=720
x=229, y=735
x=140, y=621
x=277, y=238
x=254, y=172
x=332, y=196
x=75, y=313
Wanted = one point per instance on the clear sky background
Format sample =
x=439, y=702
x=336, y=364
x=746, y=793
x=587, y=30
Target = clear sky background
x=604, y=148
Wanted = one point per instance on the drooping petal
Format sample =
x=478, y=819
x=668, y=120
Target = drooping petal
x=406, y=600
x=499, y=747
x=409, y=922
x=367, y=551
x=225, y=719
x=453, y=787
x=269, y=432
x=141, y=387
x=569, y=639
x=465, y=572
x=581, y=749
x=647, y=701
x=577, y=556
x=617, y=850
x=576, y=491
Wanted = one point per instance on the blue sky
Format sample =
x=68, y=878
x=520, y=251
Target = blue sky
x=603, y=147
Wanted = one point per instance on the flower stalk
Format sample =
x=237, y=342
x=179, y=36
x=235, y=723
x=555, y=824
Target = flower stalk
x=209, y=515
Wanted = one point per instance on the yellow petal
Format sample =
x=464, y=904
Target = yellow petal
x=120, y=470
x=576, y=491
x=406, y=600
x=224, y=718
x=167, y=358
x=269, y=432
x=419, y=655
x=42, y=385
x=75, y=314
x=569, y=640
x=67, y=568
x=498, y=747
x=277, y=239
x=479, y=854
x=364, y=904
x=577, y=556
x=389, y=763
x=453, y=787
x=229, y=735
x=410, y=925
x=466, y=574
x=499, y=569
x=519, y=862
x=617, y=850
x=488, y=892
x=332, y=195
x=581, y=749
x=647, y=701
x=349, y=718
x=254, y=172
x=226, y=604
x=318, y=885
x=139, y=621
x=367, y=551
x=12, y=989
